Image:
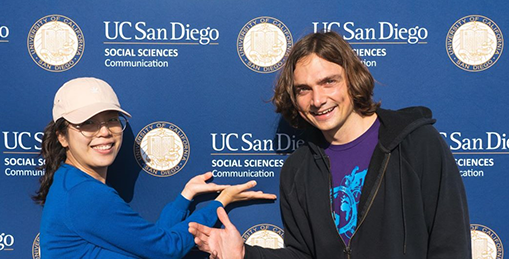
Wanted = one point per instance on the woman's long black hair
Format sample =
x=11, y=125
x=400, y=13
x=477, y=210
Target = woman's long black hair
x=54, y=154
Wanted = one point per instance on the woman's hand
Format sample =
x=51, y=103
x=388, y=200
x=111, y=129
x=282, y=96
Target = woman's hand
x=239, y=193
x=198, y=185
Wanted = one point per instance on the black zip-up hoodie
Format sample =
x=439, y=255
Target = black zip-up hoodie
x=413, y=203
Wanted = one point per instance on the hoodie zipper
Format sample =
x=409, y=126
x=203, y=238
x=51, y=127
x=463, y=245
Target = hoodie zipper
x=327, y=163
x=347, y=249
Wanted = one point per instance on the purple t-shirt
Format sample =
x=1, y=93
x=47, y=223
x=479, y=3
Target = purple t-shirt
x=349, y=166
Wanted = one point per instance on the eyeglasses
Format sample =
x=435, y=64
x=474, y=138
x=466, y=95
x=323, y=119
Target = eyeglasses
x=90, y=127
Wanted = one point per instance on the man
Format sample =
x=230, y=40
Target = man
x=368, y=183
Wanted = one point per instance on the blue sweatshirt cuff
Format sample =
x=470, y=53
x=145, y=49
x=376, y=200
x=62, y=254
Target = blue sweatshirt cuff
x=181, y=202
x=216, y=204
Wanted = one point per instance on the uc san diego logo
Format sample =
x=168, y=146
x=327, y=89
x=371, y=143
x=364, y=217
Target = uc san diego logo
x=474, y=43
x=485, y=243
x=36, y=248
x=56, y=43
x=161, y=149
x=264, y=235
x=263, y=44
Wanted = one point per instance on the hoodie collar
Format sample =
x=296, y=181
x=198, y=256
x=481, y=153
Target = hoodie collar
x=394, y=127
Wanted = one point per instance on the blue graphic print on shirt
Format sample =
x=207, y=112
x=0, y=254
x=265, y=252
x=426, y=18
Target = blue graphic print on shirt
x=349, y=192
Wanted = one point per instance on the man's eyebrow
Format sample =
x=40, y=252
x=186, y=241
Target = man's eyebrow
x=300, y=86
x=321, y=81
x=327, y=78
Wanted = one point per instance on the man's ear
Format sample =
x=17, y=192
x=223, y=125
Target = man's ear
x=62, y=139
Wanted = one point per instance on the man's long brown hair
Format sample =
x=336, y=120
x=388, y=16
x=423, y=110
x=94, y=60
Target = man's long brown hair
x=333, y=48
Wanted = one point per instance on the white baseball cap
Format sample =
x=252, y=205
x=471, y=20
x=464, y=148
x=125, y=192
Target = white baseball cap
x=82, y=98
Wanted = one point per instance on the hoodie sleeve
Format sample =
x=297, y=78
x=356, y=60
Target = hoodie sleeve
x=444, y=199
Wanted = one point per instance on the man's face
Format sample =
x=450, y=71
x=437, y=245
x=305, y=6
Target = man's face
x=322, y=95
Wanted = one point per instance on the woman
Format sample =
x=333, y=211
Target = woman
x=85, y=218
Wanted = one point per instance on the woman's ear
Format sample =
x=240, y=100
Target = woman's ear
x=63, y=140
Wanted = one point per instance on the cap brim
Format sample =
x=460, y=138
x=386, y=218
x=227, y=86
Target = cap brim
x=84, y=113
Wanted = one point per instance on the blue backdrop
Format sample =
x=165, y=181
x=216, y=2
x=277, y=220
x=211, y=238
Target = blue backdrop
x=197, y=77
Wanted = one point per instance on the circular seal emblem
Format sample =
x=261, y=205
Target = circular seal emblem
x=161, y=149
x=264, y=235
x=485, y=243
x=263, y=44
x=56, y=43
x=36, y=248
x=474, y=43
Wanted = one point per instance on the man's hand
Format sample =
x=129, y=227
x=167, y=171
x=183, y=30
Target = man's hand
x=219, y=243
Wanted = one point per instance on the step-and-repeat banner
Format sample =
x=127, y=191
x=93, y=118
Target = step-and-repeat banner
x=197, y=76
